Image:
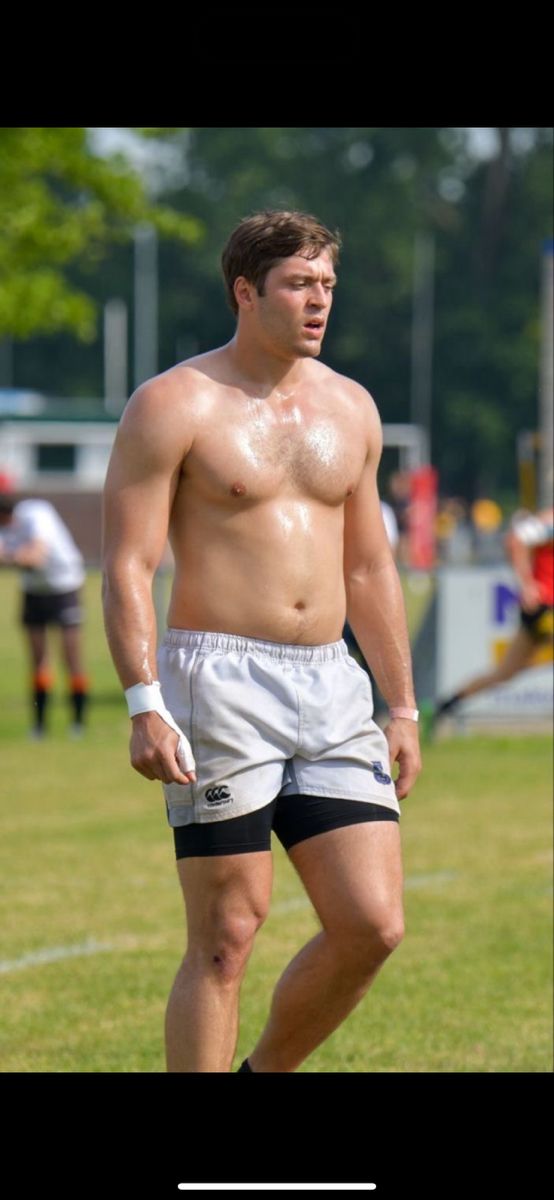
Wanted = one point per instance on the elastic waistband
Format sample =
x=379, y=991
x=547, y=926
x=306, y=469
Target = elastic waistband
x=227, y=643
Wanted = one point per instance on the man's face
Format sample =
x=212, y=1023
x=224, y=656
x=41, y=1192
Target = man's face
x=292, y=313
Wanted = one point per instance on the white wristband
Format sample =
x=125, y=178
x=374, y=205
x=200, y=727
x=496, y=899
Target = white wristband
x=409, y=714
x=147, y=697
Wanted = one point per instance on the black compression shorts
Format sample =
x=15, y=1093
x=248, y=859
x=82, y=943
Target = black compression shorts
x=293, y=819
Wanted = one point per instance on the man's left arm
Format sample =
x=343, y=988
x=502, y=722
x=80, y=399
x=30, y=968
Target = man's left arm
x=31, y=553
x=376, y=611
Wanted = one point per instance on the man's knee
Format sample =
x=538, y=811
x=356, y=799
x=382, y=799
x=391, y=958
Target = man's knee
x=506, y=673
x=390, y=935
x=228, y=946
x=371, y=941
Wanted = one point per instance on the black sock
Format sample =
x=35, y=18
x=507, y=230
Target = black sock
x=40, y=697
x=78, y=702
x=448, y=704
x=245, y=1066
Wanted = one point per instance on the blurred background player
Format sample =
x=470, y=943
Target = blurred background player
x=391, y=526
x=33, y=538
x=530, y=547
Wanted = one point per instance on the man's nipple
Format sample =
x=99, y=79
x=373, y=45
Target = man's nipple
x=238, y=488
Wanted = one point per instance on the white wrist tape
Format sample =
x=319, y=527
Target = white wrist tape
x=147, y=697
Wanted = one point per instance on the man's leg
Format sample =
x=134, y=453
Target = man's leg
x=226, y=899
x=518, y=656
x=353, y=876
x=78, y=681
x=41, y=675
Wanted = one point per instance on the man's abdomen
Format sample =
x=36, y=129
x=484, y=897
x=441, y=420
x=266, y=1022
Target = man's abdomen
x=261, y=578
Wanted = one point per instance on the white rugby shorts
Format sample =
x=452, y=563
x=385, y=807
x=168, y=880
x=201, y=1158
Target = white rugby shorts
x=266, y=719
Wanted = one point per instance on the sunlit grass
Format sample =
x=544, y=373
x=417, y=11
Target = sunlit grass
x=88, y=867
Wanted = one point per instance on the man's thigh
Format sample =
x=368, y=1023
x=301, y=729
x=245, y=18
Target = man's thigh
x=225, y=870
x=353, y=874
x=223, y=890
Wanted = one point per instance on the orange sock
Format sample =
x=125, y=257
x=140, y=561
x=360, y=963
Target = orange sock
x=43, y=679
x=79, y=683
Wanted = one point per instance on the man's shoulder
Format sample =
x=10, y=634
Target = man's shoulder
x=35, y=518
x=29, y=508
x=178, y=391
x=533, y=529
x=344, y=385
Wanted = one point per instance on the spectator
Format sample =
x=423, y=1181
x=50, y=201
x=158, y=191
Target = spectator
x=34, y=539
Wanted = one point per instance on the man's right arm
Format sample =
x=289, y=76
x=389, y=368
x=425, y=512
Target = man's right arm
x=528, y=531
x=141, y=482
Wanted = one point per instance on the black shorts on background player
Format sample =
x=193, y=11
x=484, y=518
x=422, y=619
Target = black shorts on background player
x=51, y=608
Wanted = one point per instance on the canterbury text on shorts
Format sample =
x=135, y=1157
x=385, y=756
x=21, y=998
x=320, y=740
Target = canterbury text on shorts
x=51, y=608
x=266, y=719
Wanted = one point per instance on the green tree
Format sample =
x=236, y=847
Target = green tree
x=60, y=205
x=487, y=312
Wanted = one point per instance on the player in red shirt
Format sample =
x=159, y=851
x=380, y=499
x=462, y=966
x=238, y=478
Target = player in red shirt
x=531, y=549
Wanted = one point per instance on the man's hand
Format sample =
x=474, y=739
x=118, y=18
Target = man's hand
x=530, y=596
x=402, y=737
x=158, y=753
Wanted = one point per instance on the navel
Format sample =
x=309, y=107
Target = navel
x=349, y=492
x=238, y=489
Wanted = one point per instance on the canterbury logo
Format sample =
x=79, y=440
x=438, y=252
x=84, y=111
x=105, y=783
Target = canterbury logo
x=218, y=795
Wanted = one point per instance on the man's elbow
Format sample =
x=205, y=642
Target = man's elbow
x=361, y=572
x=121, y=572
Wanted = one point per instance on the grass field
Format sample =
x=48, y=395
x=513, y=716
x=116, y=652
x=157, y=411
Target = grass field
x=93, y=928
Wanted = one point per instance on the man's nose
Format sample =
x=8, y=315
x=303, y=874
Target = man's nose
x=317, y=295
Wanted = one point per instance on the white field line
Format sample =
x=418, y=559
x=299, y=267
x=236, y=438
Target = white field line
x=54, y=954
x=50, y=954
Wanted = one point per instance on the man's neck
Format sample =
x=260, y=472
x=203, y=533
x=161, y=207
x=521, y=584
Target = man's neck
x=264, y=372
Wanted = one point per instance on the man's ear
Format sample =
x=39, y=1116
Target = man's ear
x=244, y=292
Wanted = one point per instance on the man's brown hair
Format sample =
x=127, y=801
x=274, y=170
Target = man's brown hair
x=258, y=242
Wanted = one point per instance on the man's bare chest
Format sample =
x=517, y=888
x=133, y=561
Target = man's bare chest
x=256, y=458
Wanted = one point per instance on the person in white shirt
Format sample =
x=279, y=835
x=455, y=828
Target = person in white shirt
x=391, y=525
x=34, y=539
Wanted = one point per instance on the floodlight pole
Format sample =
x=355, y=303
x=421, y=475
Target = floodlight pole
x=422, y=333
x=146, y=303
x=546, y=393
x=115, y=356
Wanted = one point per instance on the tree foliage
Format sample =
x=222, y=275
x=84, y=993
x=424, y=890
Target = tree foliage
x=62, y=204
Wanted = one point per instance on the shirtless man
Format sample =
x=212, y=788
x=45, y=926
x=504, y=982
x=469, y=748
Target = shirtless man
x=261, y=463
